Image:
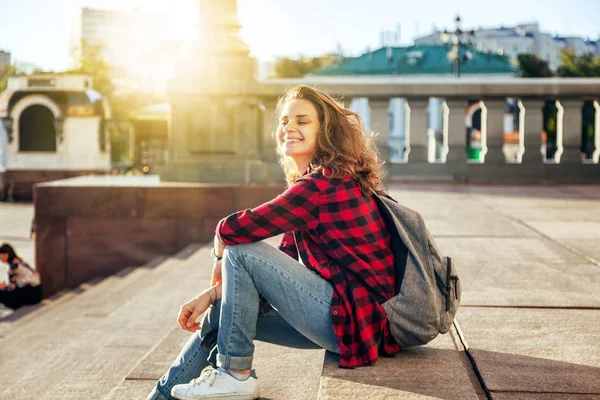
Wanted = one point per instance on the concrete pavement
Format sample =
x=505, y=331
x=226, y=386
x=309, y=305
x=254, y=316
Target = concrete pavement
x=528, y=327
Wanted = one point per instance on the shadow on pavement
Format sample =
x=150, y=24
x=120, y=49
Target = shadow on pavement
x=438, y=374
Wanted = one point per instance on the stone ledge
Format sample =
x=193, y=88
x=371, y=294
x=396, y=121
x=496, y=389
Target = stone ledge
x=436, y=370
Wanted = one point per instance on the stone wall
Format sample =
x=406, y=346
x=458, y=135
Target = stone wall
x=95, y=226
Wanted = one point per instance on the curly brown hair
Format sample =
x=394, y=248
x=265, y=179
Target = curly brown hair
x=343, y=145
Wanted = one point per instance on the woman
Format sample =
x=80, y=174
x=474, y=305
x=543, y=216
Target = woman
x=24, y=285
x=323, y=289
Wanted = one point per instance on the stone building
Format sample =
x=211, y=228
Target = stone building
x=52, y=127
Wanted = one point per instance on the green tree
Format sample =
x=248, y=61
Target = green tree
x=531, y=66
x=297, y=68
x=5, y=72
x=584, y=66
x=122, y=103
x=93, y=64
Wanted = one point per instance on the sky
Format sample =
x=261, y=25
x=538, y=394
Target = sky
x=36, y=31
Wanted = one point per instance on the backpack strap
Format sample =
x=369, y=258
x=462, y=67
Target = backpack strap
x=398, y=247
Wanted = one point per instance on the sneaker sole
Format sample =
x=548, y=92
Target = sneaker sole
x=244, y=396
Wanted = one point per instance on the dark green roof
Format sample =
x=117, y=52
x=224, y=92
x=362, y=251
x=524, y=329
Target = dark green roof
x=417, y=60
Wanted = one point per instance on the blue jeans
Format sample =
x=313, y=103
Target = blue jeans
x=301, y=300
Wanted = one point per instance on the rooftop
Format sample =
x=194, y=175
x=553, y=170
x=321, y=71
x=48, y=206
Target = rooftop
x=417, y=60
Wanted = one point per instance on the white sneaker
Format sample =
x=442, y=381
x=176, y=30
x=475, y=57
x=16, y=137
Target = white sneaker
x=216, y=384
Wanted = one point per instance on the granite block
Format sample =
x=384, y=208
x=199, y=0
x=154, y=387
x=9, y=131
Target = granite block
x=253, y=196
x=101, y=247
x=94, y=202
x=51, y=257
x=188, y=202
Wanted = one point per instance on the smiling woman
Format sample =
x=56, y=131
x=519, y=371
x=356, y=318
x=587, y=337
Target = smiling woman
x=335, y=247
x=297, y=132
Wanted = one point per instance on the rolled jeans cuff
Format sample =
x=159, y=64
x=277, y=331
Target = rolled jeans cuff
x=237, y=363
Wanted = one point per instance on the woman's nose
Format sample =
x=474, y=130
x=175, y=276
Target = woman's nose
x=290, y=126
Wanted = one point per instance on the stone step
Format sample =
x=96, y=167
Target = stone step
x=85, y=354
x=25, y=314
x=284, y=373
x=85, y=295
x=438, y=370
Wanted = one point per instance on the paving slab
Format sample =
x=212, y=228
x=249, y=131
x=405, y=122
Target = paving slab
x=589, y=247
x=544, y=396
x=436, y=370
x=471, y=256
x=568, y=230
x=131, y=389
x=95, y=378
x=284, y=373
x=156, y=362
x=572, y=211
x=477, y=225
x=531, y=284
x=535, y=350
x=55, y=346
x=15, y=219
x=439, y=204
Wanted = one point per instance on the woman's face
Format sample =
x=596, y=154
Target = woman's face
x=4, y=257
x=297, y=131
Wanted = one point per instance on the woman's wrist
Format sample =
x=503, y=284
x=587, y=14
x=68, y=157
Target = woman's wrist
x=214, y=292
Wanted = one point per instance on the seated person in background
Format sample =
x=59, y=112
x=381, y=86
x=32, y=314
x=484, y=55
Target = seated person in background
x=24, y=286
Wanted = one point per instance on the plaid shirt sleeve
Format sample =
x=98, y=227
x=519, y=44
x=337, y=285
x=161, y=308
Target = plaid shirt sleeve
x=295, y=209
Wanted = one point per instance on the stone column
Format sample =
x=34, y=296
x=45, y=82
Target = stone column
x=217, y=120
x=534, y=124
x=417, y=139
x=572, y=120
x=457, y=131
x=269, y=125
x=380, y=124
x=494, y=131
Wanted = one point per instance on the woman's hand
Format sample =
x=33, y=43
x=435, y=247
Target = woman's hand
x=192, y=310
x=2, y=285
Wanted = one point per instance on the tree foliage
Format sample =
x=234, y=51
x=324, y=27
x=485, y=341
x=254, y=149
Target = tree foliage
x=297, y=68
x=93, y=64
x=5, y=72
x=531, y=66
x=122, y=99
x=584, y=66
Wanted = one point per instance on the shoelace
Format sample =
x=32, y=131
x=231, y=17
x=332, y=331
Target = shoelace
x=208, y=375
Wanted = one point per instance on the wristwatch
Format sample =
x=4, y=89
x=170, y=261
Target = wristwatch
x=214, y=256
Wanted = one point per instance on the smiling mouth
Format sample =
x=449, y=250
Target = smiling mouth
x=293, y=141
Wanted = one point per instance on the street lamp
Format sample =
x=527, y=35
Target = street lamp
x=459, y=49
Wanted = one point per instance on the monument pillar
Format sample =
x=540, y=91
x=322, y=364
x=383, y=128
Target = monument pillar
x=215, y=129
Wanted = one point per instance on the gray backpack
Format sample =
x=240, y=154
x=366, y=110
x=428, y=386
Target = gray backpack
x=427, y=286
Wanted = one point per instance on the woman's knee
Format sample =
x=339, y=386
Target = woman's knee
x=236, y=255
x=245, y=248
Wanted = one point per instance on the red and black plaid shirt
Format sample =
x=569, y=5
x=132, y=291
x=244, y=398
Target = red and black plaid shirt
x=339, y=234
